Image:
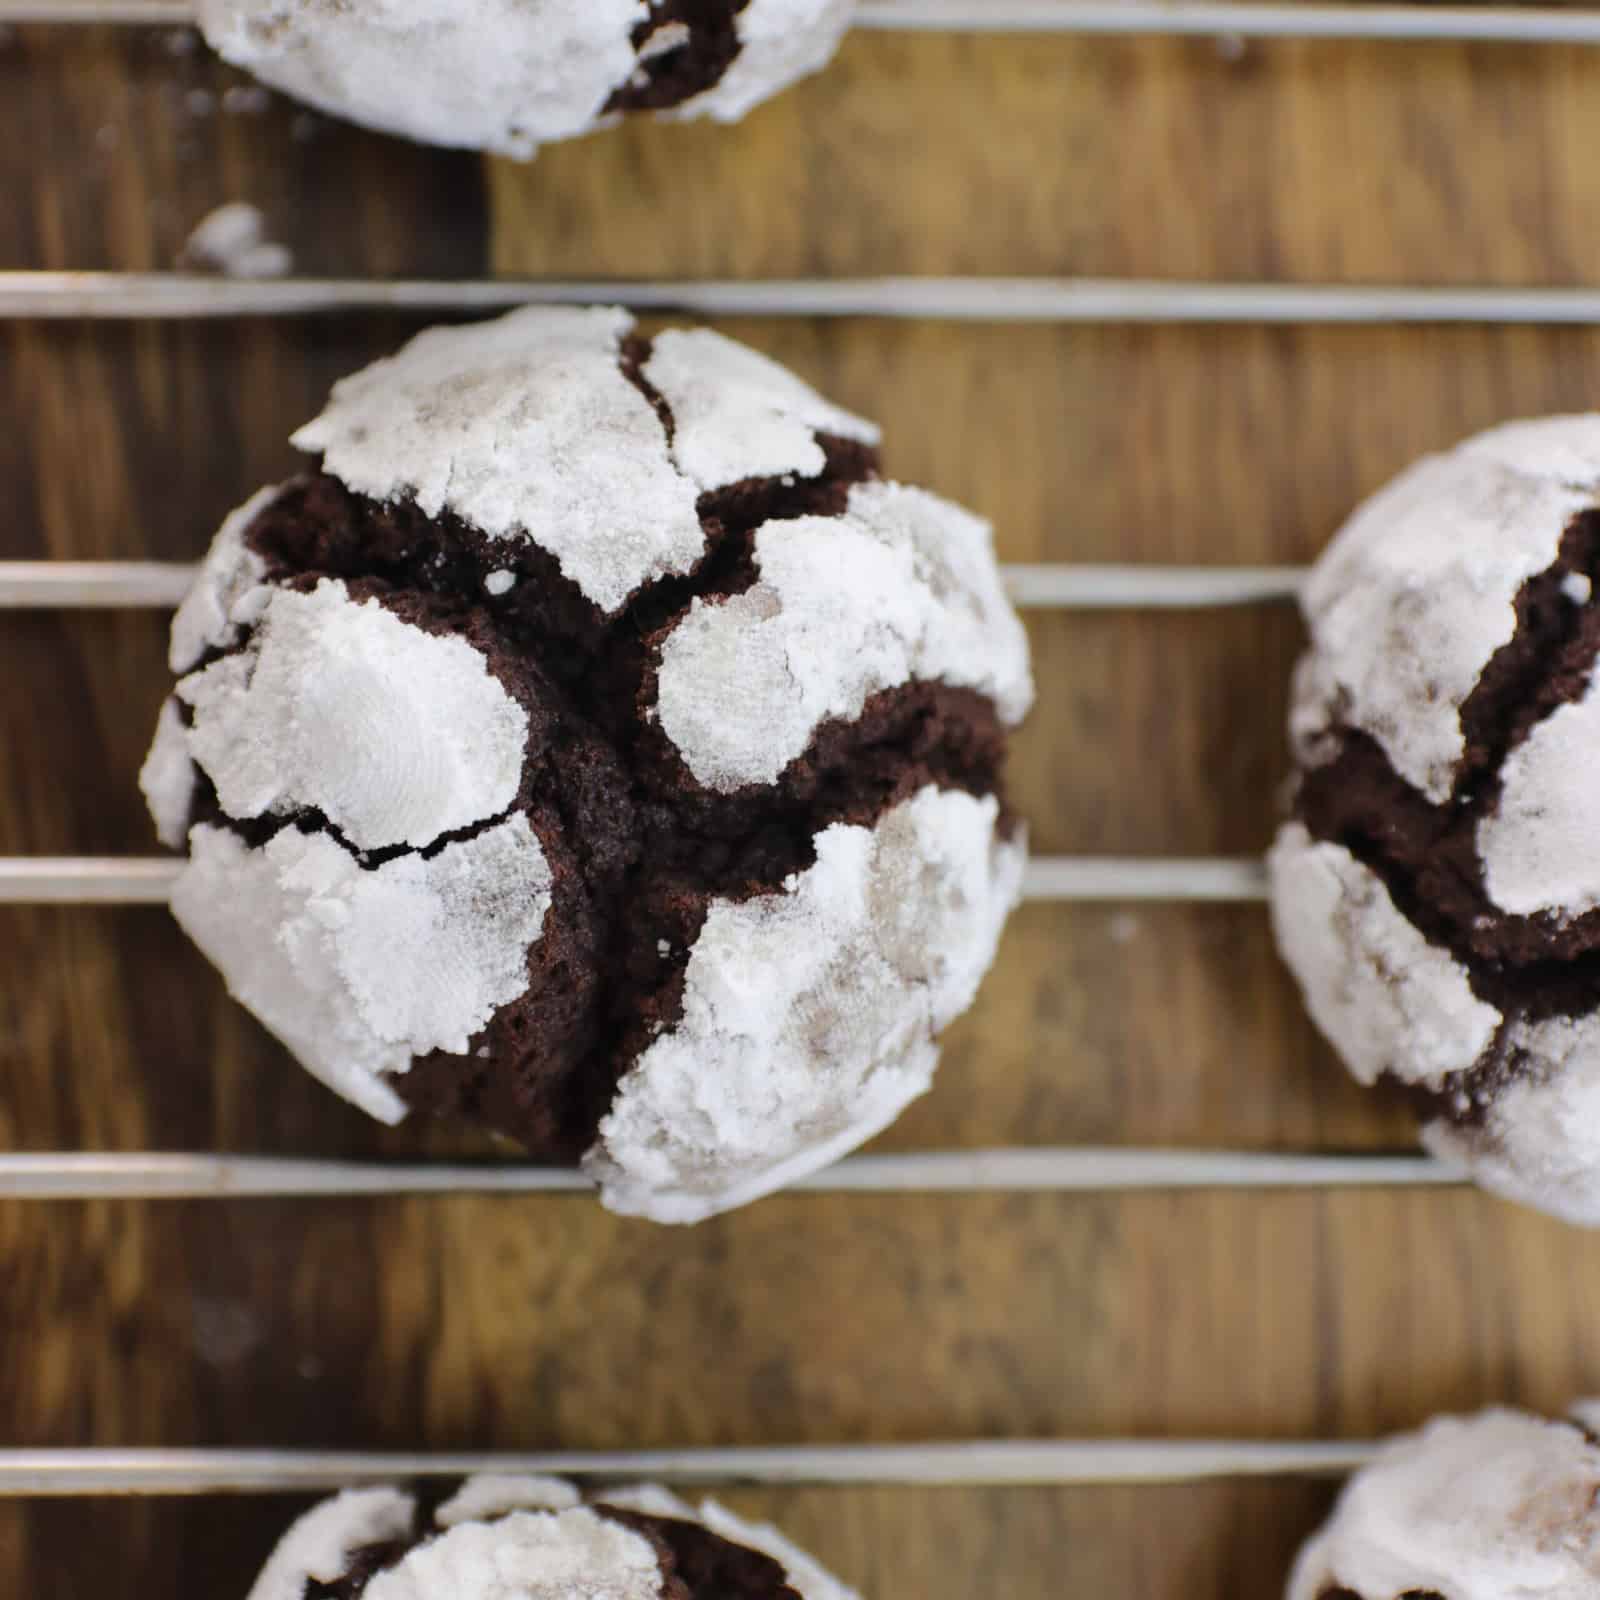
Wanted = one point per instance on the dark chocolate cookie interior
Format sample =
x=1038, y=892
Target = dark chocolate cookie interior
x=669, y=77
x=1409, y=1594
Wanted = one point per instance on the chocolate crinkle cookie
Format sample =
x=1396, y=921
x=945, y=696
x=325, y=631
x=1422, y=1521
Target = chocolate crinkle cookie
x=510, y=75
x=1498, y=1506
x=596, y=746
x=1437, y=891
x=505, y=1538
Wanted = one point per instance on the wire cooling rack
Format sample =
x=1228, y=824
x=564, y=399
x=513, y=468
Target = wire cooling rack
x=68, y=585
x=1490, y=24
x=133, y=881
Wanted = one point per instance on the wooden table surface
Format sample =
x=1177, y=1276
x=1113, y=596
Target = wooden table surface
x=499, y=1323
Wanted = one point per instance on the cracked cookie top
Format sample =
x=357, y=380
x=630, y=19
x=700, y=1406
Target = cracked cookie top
x=594, y=745
x=524, y=1538
x=1483, y=1507
x=510, y=75
x=1437, y=891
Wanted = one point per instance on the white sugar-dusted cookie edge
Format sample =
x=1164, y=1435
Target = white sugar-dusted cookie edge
x=738, y=414
x=809, y=1015
x=1562, y=448
x=228, y=590
x=489, y=1494
x=396, y=735
x=320, y=1544
x=1538, y=1138
x=904, y=587
x=806, y=1576
x=473, y=74
x=359, y=971
x=1416, y=592
x=1478, y=1508
x=167, y=779
x=1386, y=999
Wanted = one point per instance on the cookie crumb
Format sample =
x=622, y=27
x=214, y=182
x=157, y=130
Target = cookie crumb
x=232, y=241
x=246, y=100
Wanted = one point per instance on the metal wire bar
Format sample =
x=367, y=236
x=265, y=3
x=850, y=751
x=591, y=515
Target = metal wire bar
x=152, y=13
x=87, y=880
x=1216, y=880
x=137, y=880
x=82, y=1175
x=1060, y=1462
x=1094, y=587
x=1006, y=1463
x=1490, y=24
x=1103, y=17
x=123, y=295
x=89, y=585
x=93, y=585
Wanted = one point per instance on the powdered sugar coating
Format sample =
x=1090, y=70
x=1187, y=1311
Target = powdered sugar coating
x=1538, y=845
x=527, y=429
x=358, y=971
x=490, y=1494
x=1393, y=1002
x=397, y=736
x=1416, y=592
x=781, y=41
x=1559, y=449
x=737, y=414
x=1539, y=1138
x=544, y=1545
x=228, y=590
x=167, y=778
x=527, y=1555
x=809, y=1015
x=649, y=1500
x=319, y=1546
x=1488, y=1507
x=901, y=588
x=503, y=75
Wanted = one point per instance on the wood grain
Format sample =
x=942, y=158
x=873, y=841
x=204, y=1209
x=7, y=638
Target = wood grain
x=461, y=1321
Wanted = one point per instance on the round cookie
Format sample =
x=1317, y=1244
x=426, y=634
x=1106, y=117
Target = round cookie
x=1489, y=1507
x=509, y=1538
x=1437, y=889
x=511, y=75
x=596, y=746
